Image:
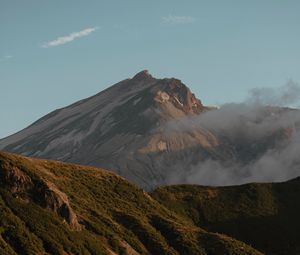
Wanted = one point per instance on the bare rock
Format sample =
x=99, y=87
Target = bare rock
x=57, y=201
x=14, y=179
x=41, y=191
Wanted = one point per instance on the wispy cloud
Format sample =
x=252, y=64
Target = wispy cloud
x=174, y=20
x=69, y=38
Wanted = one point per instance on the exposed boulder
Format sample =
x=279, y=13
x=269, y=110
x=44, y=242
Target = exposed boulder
x=57, y=201
x=14, y=179
x=43, y=192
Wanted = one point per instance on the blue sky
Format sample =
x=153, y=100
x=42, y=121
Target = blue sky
x=54, y=52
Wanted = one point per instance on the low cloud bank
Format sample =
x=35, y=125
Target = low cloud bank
x=263, y=133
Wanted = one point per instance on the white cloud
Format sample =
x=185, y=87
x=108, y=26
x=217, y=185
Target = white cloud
x=174, y=20
x=69, y=38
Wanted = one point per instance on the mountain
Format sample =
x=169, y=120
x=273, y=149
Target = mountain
x=155, y=132
x=120, y=129
x=264, y=215
x=50, y=207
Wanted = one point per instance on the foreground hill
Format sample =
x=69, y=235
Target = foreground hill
x=263, y=215
x=156, y=132
x=49, y=207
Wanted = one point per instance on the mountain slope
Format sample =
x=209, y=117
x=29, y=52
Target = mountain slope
x=156, y=132
x=263, y=215
x=120, y=129
x=50, y=207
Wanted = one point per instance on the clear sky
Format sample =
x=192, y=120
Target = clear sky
x=55, y=52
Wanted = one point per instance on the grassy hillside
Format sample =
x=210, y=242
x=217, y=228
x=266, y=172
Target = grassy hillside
x=49, y=207
x=263, y=215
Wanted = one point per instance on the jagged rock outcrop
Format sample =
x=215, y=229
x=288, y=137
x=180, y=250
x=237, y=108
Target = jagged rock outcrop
x=38, y=190
x=180, y=96
x=55, y=200
x=15, y=179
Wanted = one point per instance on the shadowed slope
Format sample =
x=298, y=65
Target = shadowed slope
x=263, y=215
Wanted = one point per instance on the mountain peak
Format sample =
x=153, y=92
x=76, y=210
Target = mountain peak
x=143, y=75
x=112, y=127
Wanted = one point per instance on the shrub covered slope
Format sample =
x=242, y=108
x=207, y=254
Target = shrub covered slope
x=263, y=215
x=49, y=207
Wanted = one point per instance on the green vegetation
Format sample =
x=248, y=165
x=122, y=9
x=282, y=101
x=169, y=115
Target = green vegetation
x=263, y=215
x=115, y=216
